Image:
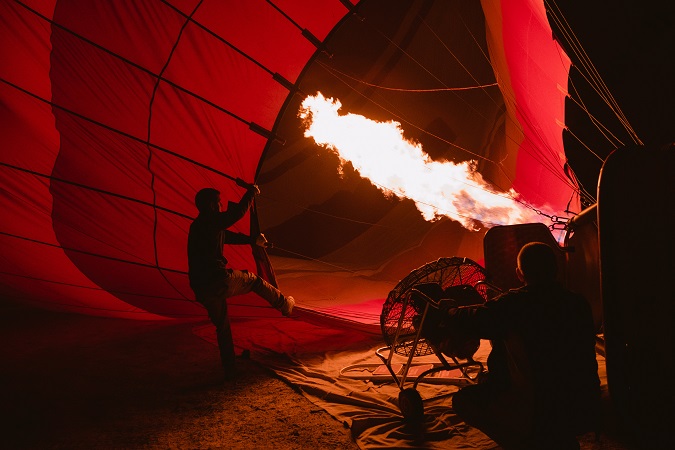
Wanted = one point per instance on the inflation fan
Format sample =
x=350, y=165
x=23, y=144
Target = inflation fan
x=414, y=306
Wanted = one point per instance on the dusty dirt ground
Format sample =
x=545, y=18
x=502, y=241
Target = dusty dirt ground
x=77, y=382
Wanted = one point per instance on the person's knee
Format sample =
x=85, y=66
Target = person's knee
x=256, y=282
x=471, y=402
x=460, y=402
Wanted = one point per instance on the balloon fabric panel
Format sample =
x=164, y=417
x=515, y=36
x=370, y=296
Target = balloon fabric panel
x=117, y=113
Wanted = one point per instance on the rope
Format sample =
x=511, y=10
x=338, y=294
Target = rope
x=334, y=72
x=607, y=134
x=151, y=147
x=335, y=266
x=121, y=133
x=149, y=164
x=159, y=77
x=94, y=189
x=252, y=125
x=92, y=288
x=323, y=213
x=387, y=88
x=594, y=79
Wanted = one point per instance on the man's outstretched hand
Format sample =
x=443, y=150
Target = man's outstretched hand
x=446, y=334
x=247, y=186
x=261, y=241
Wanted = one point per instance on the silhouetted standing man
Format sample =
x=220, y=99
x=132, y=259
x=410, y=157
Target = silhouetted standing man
x=210, y=278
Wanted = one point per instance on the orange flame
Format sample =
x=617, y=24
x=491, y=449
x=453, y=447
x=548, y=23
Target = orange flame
x=397, y=166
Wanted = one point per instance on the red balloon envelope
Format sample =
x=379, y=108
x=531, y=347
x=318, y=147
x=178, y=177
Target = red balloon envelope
x=115, y=113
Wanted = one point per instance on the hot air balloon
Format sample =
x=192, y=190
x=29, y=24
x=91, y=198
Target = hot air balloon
x=117, y=113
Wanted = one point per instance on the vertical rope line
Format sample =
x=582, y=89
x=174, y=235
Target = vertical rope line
x=150, y=149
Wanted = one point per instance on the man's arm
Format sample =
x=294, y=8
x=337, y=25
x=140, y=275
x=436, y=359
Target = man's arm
x=239, y=209
x=234, y=238
x=235, y=211
x=467, y=322
x=484, y=321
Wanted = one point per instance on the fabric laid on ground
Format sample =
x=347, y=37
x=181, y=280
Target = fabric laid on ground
x=341, y=379
x=370, y=406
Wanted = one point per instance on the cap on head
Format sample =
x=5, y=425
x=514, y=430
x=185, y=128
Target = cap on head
x=537, y=262
x=205, y=198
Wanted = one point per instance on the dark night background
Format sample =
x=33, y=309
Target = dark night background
x=632, y=46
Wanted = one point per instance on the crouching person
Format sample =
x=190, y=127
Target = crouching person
x=542, y=388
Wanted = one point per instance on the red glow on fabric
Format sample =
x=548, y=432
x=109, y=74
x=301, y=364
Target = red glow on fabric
x=538, y=73
x=116, y=113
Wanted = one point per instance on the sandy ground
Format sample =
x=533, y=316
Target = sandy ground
x=77, y=382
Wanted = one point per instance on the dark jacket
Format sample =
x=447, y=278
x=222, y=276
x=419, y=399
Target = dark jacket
x=555, y=333
x=208, y=233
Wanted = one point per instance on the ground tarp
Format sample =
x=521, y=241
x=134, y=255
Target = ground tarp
x=368, y=405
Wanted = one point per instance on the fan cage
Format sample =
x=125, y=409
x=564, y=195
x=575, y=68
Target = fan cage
x=447, y=272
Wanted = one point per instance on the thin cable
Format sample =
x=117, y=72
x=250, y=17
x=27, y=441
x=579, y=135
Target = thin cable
x=542, y=157
x=93, y=288
x=137, y=66
x=122, y=133
x=150, y=152
x=84, y=252
x=160, y=78
x=448, y=142
x=342, y=268
x=404, y=120
x=551, y=168
x=387, y=88
x=94, y=189
x=606, y=132
x=598, y=83
x=586, y=146
x=89, y=307
x=56, y=219
x=498, y=164
x=323, y=213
